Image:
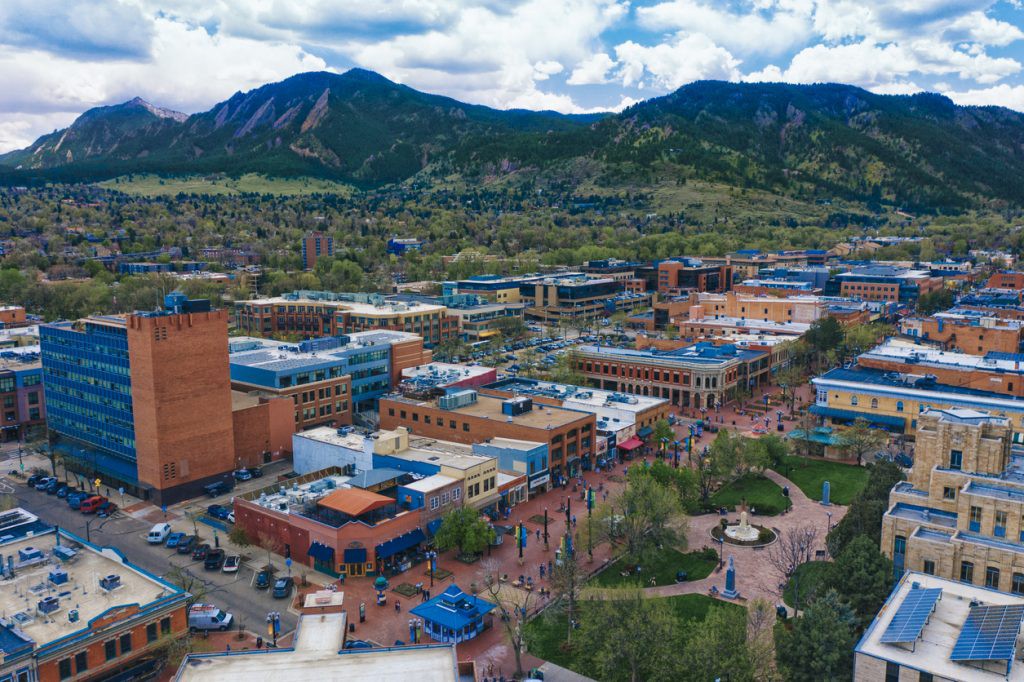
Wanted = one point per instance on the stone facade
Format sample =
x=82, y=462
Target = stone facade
x=960, y=514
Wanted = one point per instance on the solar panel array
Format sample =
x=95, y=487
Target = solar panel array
x=911, y=616
x=989, y=634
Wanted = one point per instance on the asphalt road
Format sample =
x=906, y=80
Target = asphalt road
x=231, y=592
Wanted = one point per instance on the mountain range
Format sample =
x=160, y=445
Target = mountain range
x=917, y=151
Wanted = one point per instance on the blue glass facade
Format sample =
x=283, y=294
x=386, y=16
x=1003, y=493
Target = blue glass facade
x=87, y=386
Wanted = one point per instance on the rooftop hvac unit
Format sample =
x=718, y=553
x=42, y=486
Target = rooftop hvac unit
x=48, y=605
x=110, y=582
x=58, y=576
x=454, y=401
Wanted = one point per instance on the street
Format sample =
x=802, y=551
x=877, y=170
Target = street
x=232, y=592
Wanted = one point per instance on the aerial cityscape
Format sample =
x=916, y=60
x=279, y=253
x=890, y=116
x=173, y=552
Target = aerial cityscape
x=547, y=340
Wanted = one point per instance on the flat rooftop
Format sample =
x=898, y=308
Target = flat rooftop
x=489, y=407
x=20, y=358
x=442, y=373
x=577, y=397
x=934, y=647
x=896, y=350
x=380, y=309
x=318, y=655
x=789, y=328
x=330, y=435
x=430, y=483
x=281, y=498
x=703, y=353
x=85, y=565
x=440, y=453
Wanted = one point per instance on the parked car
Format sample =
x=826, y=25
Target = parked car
x=186, y=545
x=33, y=479
x=92, y=504
x=52, y=486
x=358, y=644
x=106, y=509
x=174, y=538
x=75, y=499
x=64, y=491
x=232, y=563
x=231, y=517
x=262, y=580
x=283, y=587
x=218, y=488
x=199, y=552
x=218, y=511
x=214, y=560
x=242, y=475
x=44, y=481
x=257, y=472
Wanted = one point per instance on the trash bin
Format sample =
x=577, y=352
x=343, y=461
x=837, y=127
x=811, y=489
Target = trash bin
x=681, y=576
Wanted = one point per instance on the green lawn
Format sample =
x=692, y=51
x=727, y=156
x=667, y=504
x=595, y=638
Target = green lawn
x=545, y=635
x=845, y=480
x=663, y=567
x=810, y=576
x=761, y=494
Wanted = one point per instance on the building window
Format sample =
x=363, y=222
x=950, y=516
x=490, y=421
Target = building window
x=899, y=405
x=110, y=650
x=426, y=419
x=456, y=493
x=126, y=643
x=892, y=672
x=966, y=572
x=1017, y=585
x=451, y=423
x=999, y=527
x=434, y=503
x=391, y=412
x=929, y=567
x=925, y=677
x=165, y=626
x=975, y=524
x=81, y=661
x=465, y=426
x=956, y=459
x=949, y=493
x=151, y=632
x=874, y=403
x=992, y=577
x=64, y=668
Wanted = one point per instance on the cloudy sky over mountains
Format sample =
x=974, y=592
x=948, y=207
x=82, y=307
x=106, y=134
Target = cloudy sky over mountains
x=60, y=57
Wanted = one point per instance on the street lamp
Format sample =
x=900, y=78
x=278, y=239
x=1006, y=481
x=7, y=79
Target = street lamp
x=273, y=626
x=432, y=563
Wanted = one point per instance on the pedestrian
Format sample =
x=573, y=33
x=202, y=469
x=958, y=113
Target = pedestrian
x=538, y=535
x=398, y=606
x=428, y=595
x=542, y=572
x=550, y=566
x=573, y=520
x=229, y=648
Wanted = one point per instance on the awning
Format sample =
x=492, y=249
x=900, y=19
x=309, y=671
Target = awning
x=432, y=526
x=631, y=443
x=645, y=431
x=850, y=415
x=355, y=555
x=396, y=545
x=321, y=552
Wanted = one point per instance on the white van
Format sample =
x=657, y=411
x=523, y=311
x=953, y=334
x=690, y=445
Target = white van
x=208, y=617
x=158, y=533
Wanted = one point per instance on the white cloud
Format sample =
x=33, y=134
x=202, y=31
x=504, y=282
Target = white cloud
x=785, y=26
x=671, y=65
x=592, y=71
x=1003, y=95
x=189, y=70
x=545, y=70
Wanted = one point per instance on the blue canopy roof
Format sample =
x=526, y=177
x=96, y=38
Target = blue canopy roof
x=453, y=608
x=396, y=545
x=850, y=415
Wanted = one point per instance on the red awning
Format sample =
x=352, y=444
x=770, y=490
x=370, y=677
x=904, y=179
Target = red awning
x=630, y=443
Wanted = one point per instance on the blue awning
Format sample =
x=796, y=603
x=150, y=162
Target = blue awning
x=645, y=431
x=356, y=555
x=850, y=415
x=432, y=526
x=396, y=545
x=321, y=552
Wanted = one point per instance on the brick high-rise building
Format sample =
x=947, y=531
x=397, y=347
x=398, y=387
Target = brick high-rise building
x=314, y=245
x=143, y=400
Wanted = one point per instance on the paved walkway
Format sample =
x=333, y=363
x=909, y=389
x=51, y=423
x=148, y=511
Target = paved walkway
x=756, y=578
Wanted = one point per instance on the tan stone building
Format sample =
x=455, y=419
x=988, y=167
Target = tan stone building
x=960, y=513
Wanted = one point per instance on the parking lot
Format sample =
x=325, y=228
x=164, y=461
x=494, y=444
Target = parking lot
x=541, y=350
x=233, y=592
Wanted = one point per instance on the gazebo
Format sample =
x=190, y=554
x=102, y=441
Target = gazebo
x=453, y=616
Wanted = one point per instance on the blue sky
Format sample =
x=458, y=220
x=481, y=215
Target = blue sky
x=60, y=57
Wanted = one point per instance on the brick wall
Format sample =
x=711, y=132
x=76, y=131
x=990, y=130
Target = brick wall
x=181, y=397
x=267, y=426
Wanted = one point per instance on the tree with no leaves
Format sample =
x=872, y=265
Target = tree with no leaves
x=860, y=440
x=567, y=580
x=794, y=548
x=513, y=606
x=188, y=581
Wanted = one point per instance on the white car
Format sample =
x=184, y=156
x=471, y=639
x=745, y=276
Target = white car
x=232, y=563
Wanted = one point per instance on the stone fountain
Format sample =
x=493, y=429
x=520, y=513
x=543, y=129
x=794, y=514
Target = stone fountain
x=743, y=531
